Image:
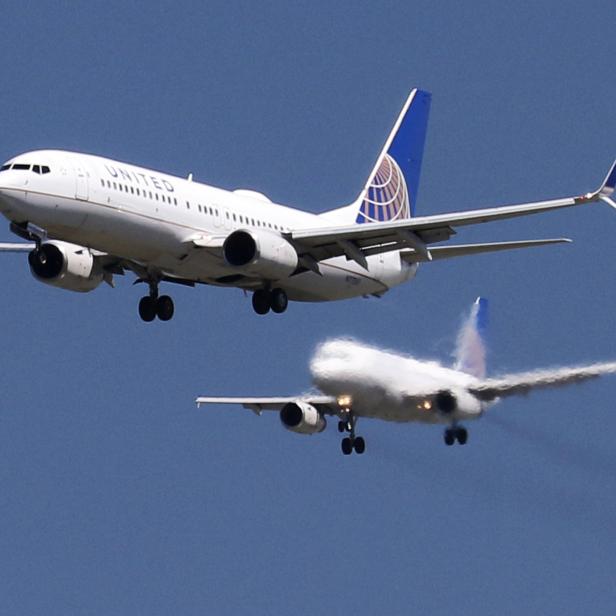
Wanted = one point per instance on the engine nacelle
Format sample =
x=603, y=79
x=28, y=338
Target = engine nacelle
x=260, y=253
x=65, y=265
x=302, y=417
x=446, y=402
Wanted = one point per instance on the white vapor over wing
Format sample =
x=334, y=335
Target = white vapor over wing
x=524, y=382
x=343, y=366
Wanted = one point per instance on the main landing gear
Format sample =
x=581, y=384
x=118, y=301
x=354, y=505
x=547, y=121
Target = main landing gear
x=152, y=306
x=351, y=442
x=264, y=300
x=455, y=433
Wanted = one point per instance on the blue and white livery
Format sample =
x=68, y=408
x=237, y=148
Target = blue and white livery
x=88, y=219
x=356, y=380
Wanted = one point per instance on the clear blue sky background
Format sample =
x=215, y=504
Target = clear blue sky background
x=118, y=496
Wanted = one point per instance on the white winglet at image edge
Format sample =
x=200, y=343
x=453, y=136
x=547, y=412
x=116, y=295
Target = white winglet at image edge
x=605, y=191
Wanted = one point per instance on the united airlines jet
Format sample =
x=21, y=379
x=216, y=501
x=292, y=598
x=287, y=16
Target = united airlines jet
x=356, y=380
x=88, y=218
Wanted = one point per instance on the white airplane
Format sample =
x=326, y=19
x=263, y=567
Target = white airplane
x=357, y=380
x=87, y=218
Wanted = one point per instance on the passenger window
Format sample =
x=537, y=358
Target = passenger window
x=115, y=187
x=137, y=190
x=156, y=196
x=175, y=201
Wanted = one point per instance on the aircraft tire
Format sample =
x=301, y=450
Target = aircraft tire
x=164, y=308
x=261, y=301
x=359, y=445
x=346, y=446
x=341, y=426
x=279, y=300
x=147, y=308
x=462, y=435
x=449, y=437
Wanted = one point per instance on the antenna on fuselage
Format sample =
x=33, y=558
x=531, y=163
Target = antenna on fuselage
x=189, y=178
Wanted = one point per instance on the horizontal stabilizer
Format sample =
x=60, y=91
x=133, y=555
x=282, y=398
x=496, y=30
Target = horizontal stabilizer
x=524, y=382
x=461, y=250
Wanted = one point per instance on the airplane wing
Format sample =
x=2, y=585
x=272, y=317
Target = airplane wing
x=16, y=247
x=357, y=241
x=524, y=382
x=450, y=251
x=258, y=405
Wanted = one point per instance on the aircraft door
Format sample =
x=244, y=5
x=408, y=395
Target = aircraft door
x=81, y=184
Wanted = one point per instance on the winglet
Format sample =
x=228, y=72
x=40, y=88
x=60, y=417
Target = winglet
x=605, y=191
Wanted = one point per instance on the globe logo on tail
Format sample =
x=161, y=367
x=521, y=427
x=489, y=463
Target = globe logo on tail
x=387, y=196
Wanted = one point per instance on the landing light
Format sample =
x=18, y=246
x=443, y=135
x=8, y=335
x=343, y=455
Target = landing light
x=426, y=405
x=344, y=401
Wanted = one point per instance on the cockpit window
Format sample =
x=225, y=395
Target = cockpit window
x=5, y=167
x=21, y=167
x=36, y=168
x=45, y=169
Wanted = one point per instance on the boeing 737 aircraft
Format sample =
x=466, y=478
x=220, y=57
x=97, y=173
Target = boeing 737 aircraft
x=362, y=381
x=88, y=218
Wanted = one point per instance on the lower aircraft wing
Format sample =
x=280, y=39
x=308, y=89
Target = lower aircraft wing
x=357, y=241
x=524, y=382
x=258, y=405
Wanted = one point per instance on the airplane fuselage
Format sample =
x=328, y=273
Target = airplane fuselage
x=152, y=218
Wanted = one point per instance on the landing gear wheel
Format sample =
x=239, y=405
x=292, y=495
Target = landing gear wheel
x=449, y=437
x=462, y=436
x=261, y=301
x=147, y=308
x=341, y=426
x=346, y=446
x=164, y=308
x=359, y=445
x=279, y=300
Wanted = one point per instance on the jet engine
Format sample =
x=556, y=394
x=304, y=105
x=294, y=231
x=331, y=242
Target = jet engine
x=260, y=253
x=446, y=402
x=65, y=265
x=302, y=418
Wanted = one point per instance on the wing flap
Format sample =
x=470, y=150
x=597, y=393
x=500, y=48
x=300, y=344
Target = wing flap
x=524, y=382
x=461, y=250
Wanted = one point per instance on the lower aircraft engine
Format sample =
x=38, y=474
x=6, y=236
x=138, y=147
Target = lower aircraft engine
x=65, y=265
x=260, y=253
x=446, y=402
x=302, y=417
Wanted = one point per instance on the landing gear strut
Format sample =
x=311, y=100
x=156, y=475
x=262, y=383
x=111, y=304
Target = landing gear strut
x=351, y=442
x=152, y=306
x=264, y=300
x=455, y=433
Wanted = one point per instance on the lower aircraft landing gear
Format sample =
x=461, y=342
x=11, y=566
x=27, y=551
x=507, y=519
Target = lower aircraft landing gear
x=351, y=442
x=264, y=300
x=455, y=433
x=152, y=306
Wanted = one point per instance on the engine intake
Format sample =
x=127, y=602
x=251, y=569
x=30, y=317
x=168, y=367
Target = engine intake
x=260, y=254
x=302, y=418
x=446, y=402
x=65, y=265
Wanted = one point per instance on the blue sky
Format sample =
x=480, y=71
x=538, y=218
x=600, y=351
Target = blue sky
x=118, y=496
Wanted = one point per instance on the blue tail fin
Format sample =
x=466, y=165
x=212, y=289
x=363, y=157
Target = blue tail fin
x=470, y=355
x=391, y=190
